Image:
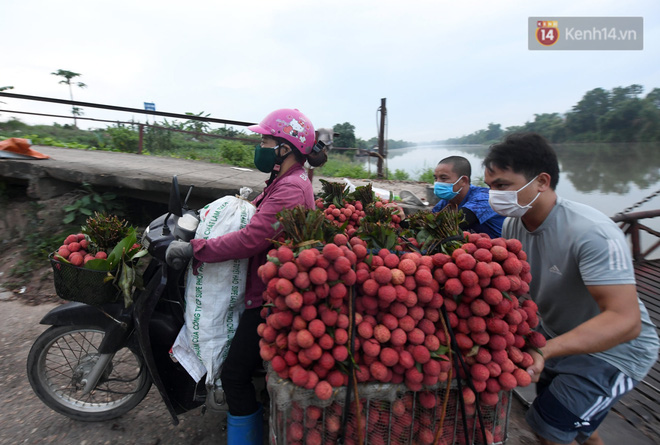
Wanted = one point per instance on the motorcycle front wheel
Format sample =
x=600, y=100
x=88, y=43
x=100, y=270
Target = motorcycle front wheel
x=59, y=362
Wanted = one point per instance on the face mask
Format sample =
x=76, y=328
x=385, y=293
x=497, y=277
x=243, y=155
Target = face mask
x=264, y=158
x=505, y=202
x=445, y=190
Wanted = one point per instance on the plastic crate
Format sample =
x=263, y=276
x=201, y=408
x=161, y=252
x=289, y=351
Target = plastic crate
x=87, y=286
x=391, y=414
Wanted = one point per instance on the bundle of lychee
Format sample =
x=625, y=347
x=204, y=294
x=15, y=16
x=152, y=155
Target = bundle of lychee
x=401, y=333
x=305, y=336
x=76, y=250
x=349, y=211
x=483, y=284
x=100, y=237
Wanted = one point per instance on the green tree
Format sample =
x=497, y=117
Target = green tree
x=624, y=94
x=550, y=125
x=197, y=126
x=494, y=132
x=67, y=76
x=653, y=98
x=584, y=116
x=346, y=136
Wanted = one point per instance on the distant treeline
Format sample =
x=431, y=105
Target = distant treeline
x=617, y=115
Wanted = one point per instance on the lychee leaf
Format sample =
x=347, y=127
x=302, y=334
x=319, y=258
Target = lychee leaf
x=440, y=352
x=473, y=351
x=98, y=264
x=273, y=259
x=507, y=296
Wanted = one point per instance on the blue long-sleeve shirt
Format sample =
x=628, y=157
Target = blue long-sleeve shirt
x=477, y=201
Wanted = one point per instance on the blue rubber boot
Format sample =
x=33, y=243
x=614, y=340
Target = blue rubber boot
x=246, y=430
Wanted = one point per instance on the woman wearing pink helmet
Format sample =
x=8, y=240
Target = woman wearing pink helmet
x=287, y=141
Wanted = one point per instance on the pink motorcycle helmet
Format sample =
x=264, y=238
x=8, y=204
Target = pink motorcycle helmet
x=289, y=124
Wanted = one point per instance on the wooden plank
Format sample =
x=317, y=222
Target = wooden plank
x=649, y=429
x=641, y=407
x=644, y=422
x=646, y=401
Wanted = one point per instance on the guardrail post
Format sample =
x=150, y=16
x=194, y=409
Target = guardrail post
x=140, y=138
x=634, y=238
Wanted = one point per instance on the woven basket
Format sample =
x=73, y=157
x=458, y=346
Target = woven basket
x=74, y=283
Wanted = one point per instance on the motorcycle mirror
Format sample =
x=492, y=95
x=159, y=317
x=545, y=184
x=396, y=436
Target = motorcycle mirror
x=174, y=206
x=185, y=201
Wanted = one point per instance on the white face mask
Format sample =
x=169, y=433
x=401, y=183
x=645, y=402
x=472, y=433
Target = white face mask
x=505, y=202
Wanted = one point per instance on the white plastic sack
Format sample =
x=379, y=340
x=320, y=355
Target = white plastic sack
x=215, y=297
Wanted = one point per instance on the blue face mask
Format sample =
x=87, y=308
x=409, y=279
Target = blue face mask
x=445, y=190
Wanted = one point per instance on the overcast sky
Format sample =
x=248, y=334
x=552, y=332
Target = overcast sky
x=446, y=68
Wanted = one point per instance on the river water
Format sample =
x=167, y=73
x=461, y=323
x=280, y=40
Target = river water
x=609, y=177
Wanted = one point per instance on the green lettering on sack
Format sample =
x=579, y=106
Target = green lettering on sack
x=214, y=219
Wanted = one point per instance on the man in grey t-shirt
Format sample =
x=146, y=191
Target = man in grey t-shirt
x=601, y=341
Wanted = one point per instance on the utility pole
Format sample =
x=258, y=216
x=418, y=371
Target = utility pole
x=381, y=138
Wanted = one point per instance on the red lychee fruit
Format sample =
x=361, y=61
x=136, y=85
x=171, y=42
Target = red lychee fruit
x=71, y=239
x=536, y=339
x=323, y=390
x=294, y=300
x=469, y=278
x=307, y=258
x=370, y=287
x=304, y=338
x=331, y=252
x=76, y=259
x=465, y=262
x=489, y=398
x=408, y=266
x=428, y=400
x=522, y=377
x=342, y=265
x=340, y=353
x=63, y=252
x=513, y=245
x=398, y=337
x=479, y=372
x=507, y=381
x=340, y=239
x=382, y=333
x=480, y=308
x=284, y=254
x=512, y=266
x=382, y=274
x=453, y=286
x=378, y=371
x=501, y=283
x=450, y=269
x=283, y=286
x=316, y=327
x=499, y=253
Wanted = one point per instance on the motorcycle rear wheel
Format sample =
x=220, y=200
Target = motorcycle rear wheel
x=62, y=357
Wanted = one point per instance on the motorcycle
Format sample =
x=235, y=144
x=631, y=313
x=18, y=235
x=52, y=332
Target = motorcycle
x=96, y=363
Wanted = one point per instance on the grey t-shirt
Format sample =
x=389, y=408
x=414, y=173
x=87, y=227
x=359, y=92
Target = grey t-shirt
x=575, y=247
